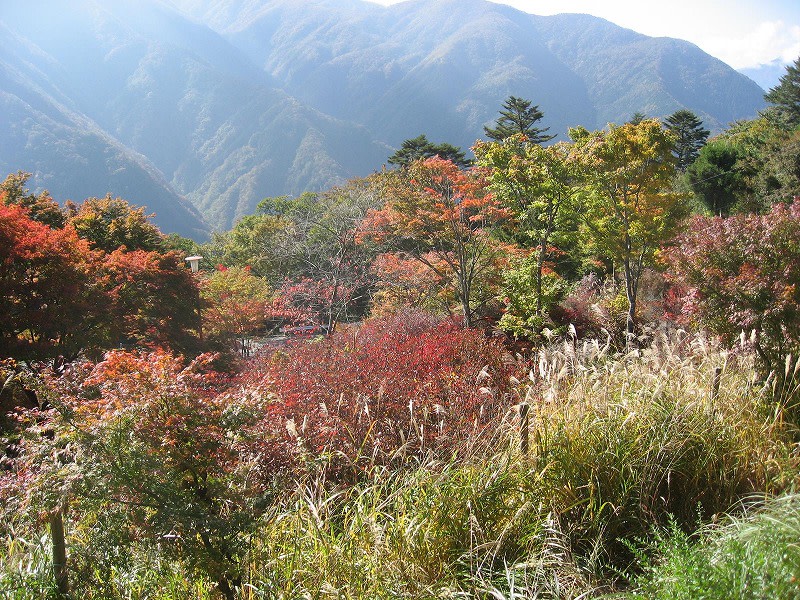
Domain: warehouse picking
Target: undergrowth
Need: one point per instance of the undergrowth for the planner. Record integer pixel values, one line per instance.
(623, 447)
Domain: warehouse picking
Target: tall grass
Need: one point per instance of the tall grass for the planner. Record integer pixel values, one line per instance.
(621, 446)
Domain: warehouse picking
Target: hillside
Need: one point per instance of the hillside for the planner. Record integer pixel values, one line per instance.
(224, 103)
(445, 67)
(68, 153)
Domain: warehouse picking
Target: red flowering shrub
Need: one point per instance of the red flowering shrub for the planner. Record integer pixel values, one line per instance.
(409, 381)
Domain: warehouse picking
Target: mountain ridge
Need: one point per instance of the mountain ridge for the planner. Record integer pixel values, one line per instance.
(225, 102)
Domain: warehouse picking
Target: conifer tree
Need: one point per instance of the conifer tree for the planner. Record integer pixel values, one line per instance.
(785, 97)
(518, 116)
(420, 147)
(691, 136)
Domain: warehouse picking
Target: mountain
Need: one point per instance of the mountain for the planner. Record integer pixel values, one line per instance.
(68, 153)
(177, 93)
(225, 102)
(444, 67)
(768, 75)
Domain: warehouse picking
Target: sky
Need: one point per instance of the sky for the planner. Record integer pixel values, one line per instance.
(742, 33)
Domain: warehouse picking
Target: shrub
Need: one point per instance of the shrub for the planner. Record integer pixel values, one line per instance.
(410, 380)
(746, 558)
(740, 273)
(150, 451)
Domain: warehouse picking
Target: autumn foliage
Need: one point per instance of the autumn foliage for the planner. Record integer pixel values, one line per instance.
(150, 446)
(406, 382)
(63, 295)
(46, 277)
(740, 275)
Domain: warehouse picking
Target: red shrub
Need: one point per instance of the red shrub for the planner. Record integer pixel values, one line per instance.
(408, 380)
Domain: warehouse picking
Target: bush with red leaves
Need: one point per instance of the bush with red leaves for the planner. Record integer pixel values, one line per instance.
(393, 388)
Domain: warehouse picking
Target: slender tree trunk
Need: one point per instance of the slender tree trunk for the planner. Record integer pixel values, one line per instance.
(630, 293)
(59, 552)
(539, 269)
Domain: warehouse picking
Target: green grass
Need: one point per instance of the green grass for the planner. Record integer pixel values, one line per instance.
(751, 557)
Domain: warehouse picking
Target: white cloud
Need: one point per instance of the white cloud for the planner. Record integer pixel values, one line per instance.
(768, 41)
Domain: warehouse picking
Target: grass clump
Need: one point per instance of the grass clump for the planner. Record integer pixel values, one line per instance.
(751, 557)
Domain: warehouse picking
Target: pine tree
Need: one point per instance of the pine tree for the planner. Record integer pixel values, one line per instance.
(637, 118)
(518, 116)
(786, 95)
(420, 147)
(691, 136)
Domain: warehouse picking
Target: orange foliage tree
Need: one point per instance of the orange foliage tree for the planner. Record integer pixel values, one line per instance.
(441, 217)
(46, 288)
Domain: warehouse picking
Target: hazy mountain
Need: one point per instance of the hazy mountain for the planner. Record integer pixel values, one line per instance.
(179, 94)
(444, 67)
(68, 153)
(767, 76)
(225, 102)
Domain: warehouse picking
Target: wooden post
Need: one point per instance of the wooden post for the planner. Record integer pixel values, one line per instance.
(523, 428)
(59, 552)
(715, 383)
(710, 408)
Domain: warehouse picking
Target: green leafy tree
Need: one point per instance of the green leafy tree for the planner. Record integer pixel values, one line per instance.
(420, 147)
(785, 97)
(253, 242)
(110, 223)
(690, 136)
(539, 185)
(518, 116)
(629, 209)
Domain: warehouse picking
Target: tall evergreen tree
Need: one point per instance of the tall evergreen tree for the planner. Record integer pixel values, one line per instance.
(714, 177)
(518, 116)
(785, 97)
(420, 147)
(637, 118)
(691, 136)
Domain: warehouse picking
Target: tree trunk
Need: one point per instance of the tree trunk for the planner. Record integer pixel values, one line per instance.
(630, 293)
(59, 552)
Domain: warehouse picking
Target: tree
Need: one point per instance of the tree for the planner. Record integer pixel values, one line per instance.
(319, 241)
(690, 135)
(110, 223)
(714, 176)
(236, 305)
(419, 147)
(254, 242)
(740, 274)
(536, 184)
(47, 289)
(637, 118)
(785, 97)
(518, 116)
(41, 208)
(629, 213)
(440, 216)
(153, 300)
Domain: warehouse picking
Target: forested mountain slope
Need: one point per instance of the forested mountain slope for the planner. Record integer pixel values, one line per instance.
(225, 102)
